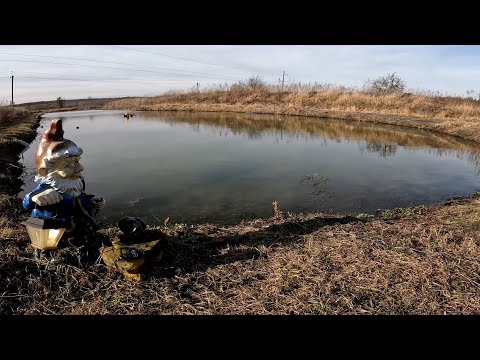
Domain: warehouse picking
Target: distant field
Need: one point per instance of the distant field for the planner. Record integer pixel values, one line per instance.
(74, 104)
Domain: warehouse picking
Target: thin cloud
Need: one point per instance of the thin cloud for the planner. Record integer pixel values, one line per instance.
(449, 69)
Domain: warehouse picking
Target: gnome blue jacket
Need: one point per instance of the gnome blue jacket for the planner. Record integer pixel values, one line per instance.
(65, 209)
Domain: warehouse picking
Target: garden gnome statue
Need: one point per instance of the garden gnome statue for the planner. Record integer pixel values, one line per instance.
(60, 191)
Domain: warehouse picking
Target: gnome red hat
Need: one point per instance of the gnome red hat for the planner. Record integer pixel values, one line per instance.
(53, 146)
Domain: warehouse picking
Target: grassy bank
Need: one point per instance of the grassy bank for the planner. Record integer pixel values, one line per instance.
(420, 260)
(14, 125)
(451, 115)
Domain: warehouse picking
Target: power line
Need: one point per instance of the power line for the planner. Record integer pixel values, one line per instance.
(110, 67)
(175, 57)
(102, 80)
(112, 62)
(88, 76)
(96, 80)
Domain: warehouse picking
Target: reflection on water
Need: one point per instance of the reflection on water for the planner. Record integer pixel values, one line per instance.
(225, 167)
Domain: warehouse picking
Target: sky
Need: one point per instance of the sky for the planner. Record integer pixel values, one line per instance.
(45, 72)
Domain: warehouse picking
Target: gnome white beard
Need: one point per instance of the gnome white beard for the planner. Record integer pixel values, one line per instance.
(71, 187)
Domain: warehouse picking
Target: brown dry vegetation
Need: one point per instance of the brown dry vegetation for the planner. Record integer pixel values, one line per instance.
(419, 260)
(422, 260)
(13, 125)
(68, 105)
(447, 114)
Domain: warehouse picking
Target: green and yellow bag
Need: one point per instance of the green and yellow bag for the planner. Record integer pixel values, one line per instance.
(132, 260)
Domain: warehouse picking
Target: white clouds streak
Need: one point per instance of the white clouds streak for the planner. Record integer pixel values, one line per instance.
(452, 69)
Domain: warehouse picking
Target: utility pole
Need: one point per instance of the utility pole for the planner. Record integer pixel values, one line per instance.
(12, 88)
(283, 79)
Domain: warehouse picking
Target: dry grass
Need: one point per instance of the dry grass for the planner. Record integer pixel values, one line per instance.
(14, 125)
(452, 115)
(420, 261)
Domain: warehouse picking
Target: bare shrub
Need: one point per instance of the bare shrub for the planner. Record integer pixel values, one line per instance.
(389, 83)
(256, 82)
(60, 102)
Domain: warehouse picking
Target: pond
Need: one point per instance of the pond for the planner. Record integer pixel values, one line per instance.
(228, 167)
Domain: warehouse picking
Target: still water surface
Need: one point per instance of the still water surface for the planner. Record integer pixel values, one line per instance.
(225, 167)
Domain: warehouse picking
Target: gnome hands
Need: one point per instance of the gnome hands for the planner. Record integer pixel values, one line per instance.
(47, 197)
